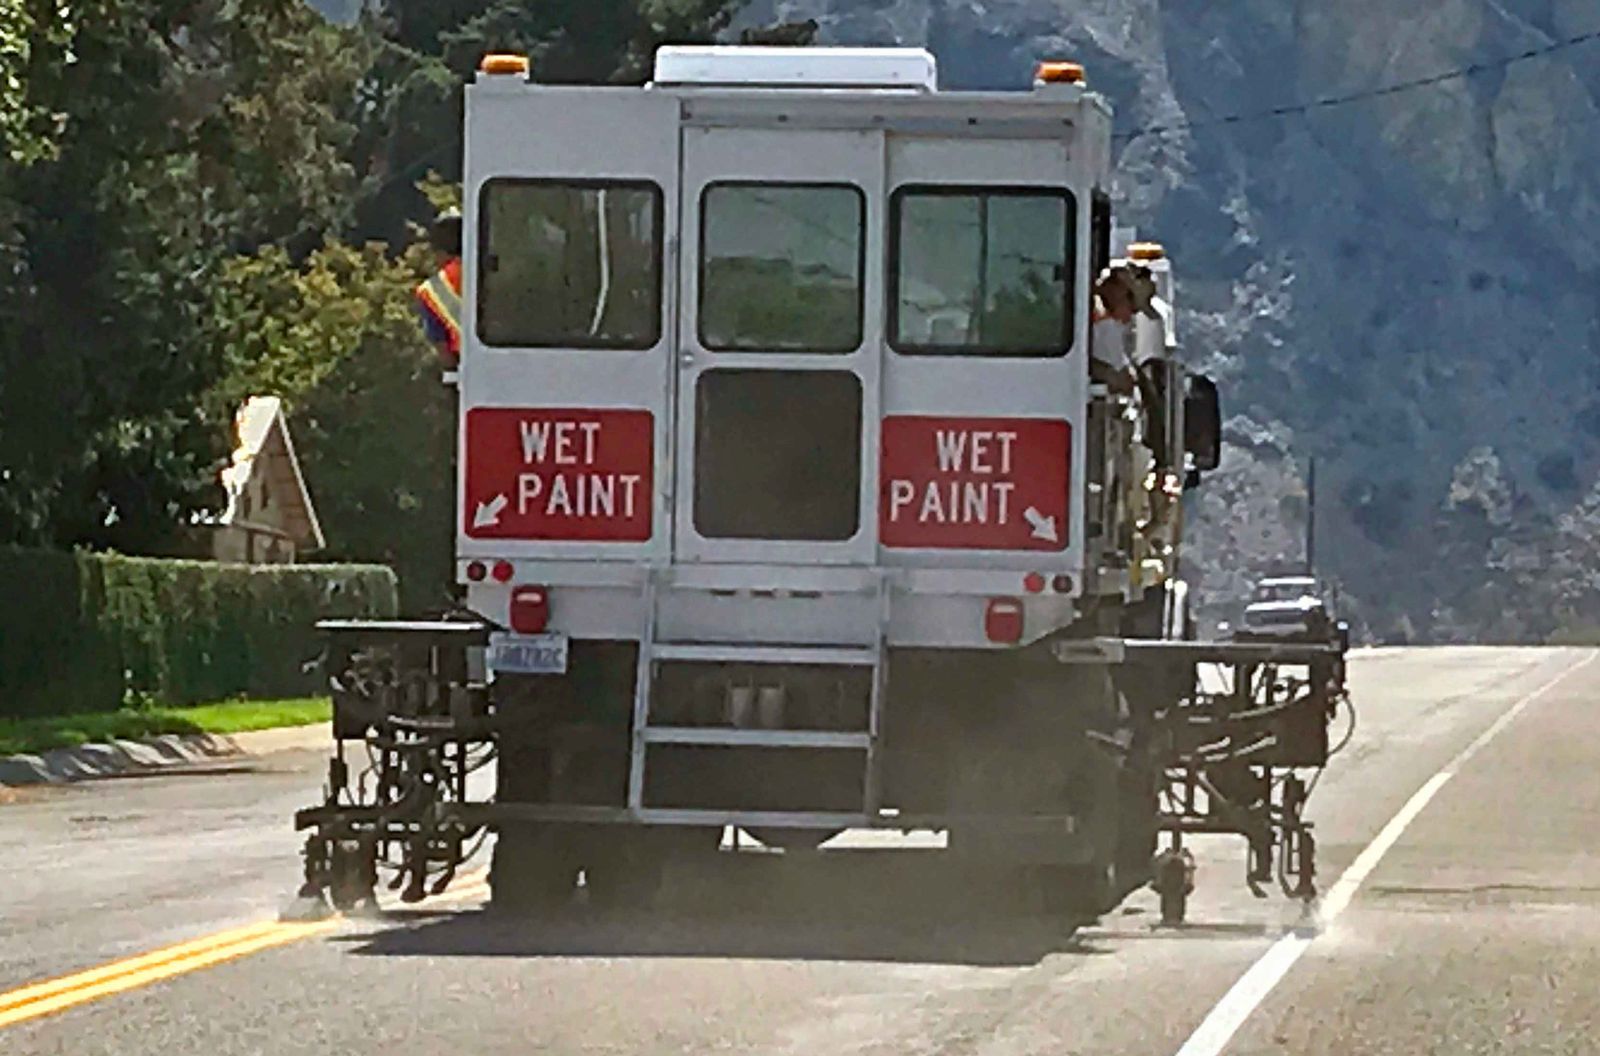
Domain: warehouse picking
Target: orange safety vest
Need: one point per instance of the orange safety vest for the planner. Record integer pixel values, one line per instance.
(440, 297)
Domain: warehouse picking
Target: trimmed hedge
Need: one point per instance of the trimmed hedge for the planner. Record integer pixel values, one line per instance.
(88, 632)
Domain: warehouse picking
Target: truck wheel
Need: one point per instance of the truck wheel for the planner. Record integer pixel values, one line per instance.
(1174, 906)
(1096, 887)
(624, 867)
(353, 876)
(535, 868)
(1174, 881)
(1068, 722)
(1138, 812)
(1075, 894)
(622, 870)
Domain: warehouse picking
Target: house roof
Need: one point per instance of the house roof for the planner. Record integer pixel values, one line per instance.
(264, 446)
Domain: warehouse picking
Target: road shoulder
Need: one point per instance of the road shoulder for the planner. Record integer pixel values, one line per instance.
(168, 752)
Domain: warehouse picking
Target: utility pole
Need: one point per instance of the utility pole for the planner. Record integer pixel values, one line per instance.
(1311, 516)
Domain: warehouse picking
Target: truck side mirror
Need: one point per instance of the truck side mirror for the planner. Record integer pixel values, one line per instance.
(1202, 423)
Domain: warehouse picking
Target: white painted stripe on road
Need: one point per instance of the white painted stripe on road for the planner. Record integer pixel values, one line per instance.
(1246, 995)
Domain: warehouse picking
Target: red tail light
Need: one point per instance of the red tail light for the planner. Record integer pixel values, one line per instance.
(1002, 620)
(476, 571)
(530, 610)
(502, 571)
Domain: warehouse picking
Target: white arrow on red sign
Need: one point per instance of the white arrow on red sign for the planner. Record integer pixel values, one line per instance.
(488, 513)
(1043, 527)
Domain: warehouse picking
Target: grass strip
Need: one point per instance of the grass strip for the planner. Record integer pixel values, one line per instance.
(41, 734)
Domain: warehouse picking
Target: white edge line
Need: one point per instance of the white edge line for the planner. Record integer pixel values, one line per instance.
(1230, 1013)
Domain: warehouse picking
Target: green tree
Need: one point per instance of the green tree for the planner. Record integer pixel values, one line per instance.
(336, 334)
(431, 49)
(178, 178)
(17, 143)
(178, 135)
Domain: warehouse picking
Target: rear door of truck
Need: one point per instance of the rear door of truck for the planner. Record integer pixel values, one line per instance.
(984, 379)
(565, 443)
(778, 372)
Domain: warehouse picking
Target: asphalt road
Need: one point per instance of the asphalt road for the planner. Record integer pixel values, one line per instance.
(1476, 930)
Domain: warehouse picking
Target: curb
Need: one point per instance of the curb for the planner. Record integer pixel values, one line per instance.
(171, 751)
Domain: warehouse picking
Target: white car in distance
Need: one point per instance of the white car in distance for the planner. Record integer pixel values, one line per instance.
(1284, 606)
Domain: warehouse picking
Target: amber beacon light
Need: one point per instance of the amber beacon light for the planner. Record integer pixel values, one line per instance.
(1058, 73)
(502, 63)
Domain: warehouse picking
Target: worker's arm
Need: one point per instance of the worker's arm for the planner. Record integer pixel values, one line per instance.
(1108, 359)
(1118, 381)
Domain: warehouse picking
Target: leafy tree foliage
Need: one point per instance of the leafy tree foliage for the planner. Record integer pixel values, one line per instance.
(431, 48)
(174, 136)
(214, 198)
(18, 141)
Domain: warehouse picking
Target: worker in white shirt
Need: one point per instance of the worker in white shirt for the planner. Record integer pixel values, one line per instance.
(1122, 292)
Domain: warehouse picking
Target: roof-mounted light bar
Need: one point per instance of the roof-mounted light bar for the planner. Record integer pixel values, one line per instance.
(1058, 72)
(504, 64)
(735, 66)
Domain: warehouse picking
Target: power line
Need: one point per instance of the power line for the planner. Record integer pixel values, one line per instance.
(1397, 88)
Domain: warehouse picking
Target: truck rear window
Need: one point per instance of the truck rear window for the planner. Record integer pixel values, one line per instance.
(569, 264)
(981, 271)
(780, 267)
(777, 454)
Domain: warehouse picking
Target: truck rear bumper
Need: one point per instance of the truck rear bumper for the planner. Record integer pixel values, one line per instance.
(1056, 838)
(474, 815)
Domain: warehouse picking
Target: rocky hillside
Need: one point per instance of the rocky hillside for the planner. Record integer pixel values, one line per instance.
(1403, 287)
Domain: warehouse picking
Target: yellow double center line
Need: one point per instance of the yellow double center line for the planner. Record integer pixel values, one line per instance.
(68, 991)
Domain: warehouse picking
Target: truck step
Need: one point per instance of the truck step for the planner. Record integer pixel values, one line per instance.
(725, 736)
(739, 653)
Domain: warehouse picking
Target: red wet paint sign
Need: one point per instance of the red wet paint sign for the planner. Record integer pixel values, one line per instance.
(569, 474)
(974, 483)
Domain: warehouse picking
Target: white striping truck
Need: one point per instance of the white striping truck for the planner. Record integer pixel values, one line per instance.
(786, 503)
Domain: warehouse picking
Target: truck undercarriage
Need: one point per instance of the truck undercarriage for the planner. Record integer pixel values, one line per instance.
(1080, 764)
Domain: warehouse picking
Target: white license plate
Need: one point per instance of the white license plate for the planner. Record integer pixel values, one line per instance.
(528, 654)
